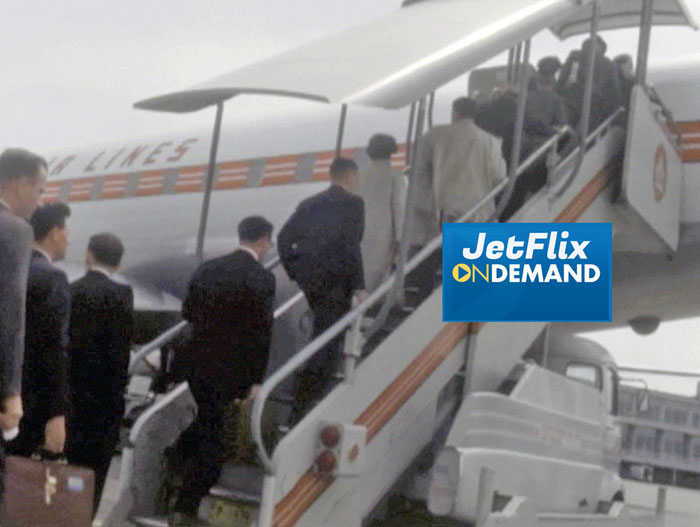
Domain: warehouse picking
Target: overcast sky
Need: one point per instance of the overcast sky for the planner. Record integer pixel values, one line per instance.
(73, 69)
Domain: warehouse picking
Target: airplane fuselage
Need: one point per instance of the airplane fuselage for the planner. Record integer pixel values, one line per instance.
(150, 193)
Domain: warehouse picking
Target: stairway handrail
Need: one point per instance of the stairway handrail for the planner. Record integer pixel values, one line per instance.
(300, 358)
(579, 152)
(173, 331)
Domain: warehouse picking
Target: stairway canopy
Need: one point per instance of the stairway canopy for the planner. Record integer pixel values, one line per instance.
(398, 58)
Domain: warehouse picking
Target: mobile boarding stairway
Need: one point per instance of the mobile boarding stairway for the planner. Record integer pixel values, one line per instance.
(413, 388)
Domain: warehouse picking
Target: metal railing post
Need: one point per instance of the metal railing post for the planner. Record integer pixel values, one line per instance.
(352, 350)
(267, 504)
(517, 133)
(468, 361)
(551, 162)
(211, 170)
(644, 41)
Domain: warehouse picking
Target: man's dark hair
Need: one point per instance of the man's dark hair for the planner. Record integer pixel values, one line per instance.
(465, 108)
(599, 42)
(106, 248)
(548, 66)
(16, 163)
(254, 228)
(341, 167)
(48, 216)
(381, 146)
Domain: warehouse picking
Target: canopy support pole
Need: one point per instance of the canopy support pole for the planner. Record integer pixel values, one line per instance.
(517, 136)
(511, 59)
(209, 184)
(409, 134)
(644, 41)
(520, 114)
(341, 130)
(585, 119)
(431, 108)
(588, 86)
(516, 65)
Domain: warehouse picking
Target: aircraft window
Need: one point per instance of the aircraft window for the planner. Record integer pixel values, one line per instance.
(651, 444)
(678, 417)
(668, 446)
(679, 448)
(668, 415)
(584, 373)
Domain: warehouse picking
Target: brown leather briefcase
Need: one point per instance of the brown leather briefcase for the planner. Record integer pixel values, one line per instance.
(46, 494)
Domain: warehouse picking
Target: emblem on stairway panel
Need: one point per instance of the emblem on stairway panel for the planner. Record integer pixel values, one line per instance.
(660, 176)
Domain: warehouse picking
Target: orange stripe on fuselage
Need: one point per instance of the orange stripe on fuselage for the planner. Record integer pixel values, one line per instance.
(232, 175)
(190, 179)
(114, 186)
(279, 170)
(690, 140)
(151, 183)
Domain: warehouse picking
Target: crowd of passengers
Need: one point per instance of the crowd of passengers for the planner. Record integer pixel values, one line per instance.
(65, 348)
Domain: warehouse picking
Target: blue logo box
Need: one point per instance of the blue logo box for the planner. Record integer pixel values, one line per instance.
(526, 272)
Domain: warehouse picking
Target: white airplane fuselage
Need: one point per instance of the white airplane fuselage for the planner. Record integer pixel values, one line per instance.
(150, 194)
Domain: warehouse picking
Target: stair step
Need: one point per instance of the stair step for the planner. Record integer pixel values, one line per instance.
(219, 491)
(239, 482)
(158, 521)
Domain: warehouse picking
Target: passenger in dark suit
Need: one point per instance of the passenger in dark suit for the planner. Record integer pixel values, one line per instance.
(230, 306)
(545, 113)
(101, 333)
(22, 177)
(607, 95)
(320, 249)
(45, 369)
